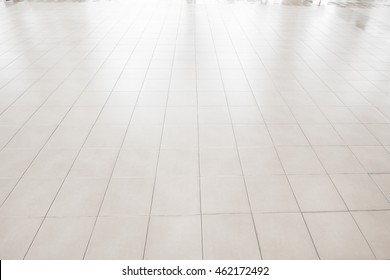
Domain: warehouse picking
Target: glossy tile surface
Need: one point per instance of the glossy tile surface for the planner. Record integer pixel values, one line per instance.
(194, 129)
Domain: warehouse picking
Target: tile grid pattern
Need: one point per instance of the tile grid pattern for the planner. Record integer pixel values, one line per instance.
(267, 128)
(194, 130)
(78, 154)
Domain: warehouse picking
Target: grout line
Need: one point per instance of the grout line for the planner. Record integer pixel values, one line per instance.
(47, 140)
(75, 158)
(194, 21)
(163, 125)
(266, 125)
(234, 135)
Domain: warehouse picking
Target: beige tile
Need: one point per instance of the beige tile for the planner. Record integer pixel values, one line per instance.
(300, 160)
(216, 136)
(224, 195)
(246, 115)
(174, 237)
(178, 162)
(16, 235)
(211, 99)
(277, 115)
(287, 135)
(31, 137)
(369, 114)
(122, 99)
(308, 115)
(181, 115)
(17, 115)
(356, 134)
(14, 162)
(375, 225)
(252, 135)
(336, 236)
(270, 193)
(381, 132)
(260, 160)
(182, 100)
(106, 136)
(61, 239)
(92, 99)
(316, 193)
(152, 99)
(6, 186)
(180, 136)
(337, 160)
(136, 163)
(51, 163)
(383, 182)
(94, 163)
(360, 192)
(117, 238)
(143, 136)
(115, 115)
(213, 115)
(229, 236)
(69, 137)
(374, 159)
(31, 198)
(48, 115)
(338, 114)
(81, 116)
(176, 196)
(6, 134)
(219, 162)
(128, 197)
(321, 135)
(79, 198)
(284, 236)
(148, 116)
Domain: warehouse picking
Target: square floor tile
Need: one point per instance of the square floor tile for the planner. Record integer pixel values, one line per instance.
(79, 198)
(31, 198)
(224, 195)
(360, 192)
(374, 159)
(336, 236)
(287, 135)
(178, 162)
(375, 225)
(136, 163)
(270, 193)
(322, 135)
(180, 136)
(260, 160)
(118, 238)
(6, 186)
(128, 197)
(16, 235)
(252, 135)
(316, 193)
(300, 160)
(216, 136)
(356, 134)
(284, 236)
(338, 160)
(174, 237)
(229, 237)
(383, 182)
(94, 163)
(176, 196)
(61, 238)
(219, 162)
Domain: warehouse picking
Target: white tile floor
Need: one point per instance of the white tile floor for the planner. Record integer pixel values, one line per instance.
(190, 129)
